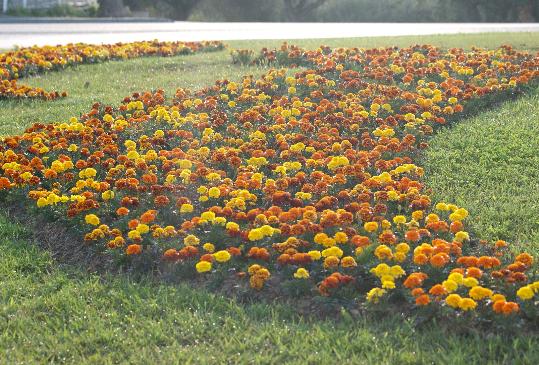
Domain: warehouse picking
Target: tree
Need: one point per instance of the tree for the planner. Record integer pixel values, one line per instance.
(112, 8)
(180, 9)
(301, 9)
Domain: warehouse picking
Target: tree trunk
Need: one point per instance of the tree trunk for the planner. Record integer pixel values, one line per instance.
(525, 12)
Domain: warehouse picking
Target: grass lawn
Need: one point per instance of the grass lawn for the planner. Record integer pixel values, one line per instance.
(51, 313)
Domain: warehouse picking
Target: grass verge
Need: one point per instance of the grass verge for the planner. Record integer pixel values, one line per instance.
(488, 163)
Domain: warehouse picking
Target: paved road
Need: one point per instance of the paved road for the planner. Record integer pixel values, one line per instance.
(27, 34)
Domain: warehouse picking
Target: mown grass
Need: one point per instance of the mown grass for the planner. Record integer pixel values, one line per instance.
(52, 313)
(489, 164)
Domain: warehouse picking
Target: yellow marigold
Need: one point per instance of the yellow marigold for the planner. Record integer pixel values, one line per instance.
(396, 271)
(214, 193)
(461, 236)
(432, 218)
(417, 215)
(442, 206)
(315, 255)
(370, 226)
(381, 270)
(456, 277)
(383, 252)
(232, 226)
(340, 237)
(478, 292)
(301, 273)
(470, 282)
(402, 247)
(497, 297)
(453, 300)
(253, 269)
(208, 216)
(107, 195)
(220, 221)
(267, 230)
(143, 228)
(263, 273)
(203, 266)
(92, 219)
(222, 256)
(320, 238)
(450, 285)
(191, 240)
(399, 219)
(332, 251)
(525, 293)
(467, 304)
(186, 208)
(208, 247)
(133, 235)
(255, 234)
(375, 294)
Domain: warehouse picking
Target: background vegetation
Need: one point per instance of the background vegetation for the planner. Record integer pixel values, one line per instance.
(311, 10)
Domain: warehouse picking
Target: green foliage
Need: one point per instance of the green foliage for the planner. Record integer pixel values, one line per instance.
(64, 10)
(428, 11)
(368, 10)
(238, 10)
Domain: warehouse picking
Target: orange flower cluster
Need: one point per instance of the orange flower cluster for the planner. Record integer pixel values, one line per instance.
(32, 60)
(310, 179)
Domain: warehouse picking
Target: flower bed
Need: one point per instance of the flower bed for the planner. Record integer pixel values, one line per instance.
(33, 60)
(307, 182)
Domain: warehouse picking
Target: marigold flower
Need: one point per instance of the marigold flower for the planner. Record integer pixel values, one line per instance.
(191, 240)
(478, 293)
(412, 235)
(470, 282)
(450, 285)
(510, 308)
(222, 256)
(422, 300)
(375, 294)
(383, 252)
(133, 249)
(331, 262)
(301, 273)
(92, 219)
(370, 226)
(453, 300)
(467, 304)
(414, 280)
(203, 266)
(255, 235)
(208, 247)
(525, 293)
(348, 261)
(170, 255)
